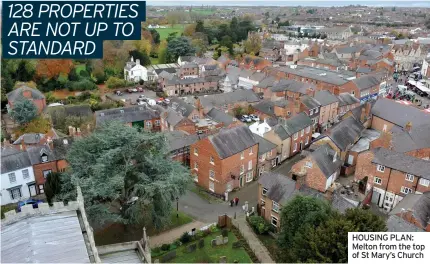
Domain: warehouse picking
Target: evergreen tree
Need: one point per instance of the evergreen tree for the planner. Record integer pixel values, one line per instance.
(179, 47)
(23, 111)
(52, 186)
(200, 26)
(144, 58)
(125, 175)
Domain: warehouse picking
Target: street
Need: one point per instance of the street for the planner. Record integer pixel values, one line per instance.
(203, 211)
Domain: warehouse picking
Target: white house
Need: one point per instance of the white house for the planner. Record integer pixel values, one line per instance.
(260, 128)
(280, 37)
(134, 72)
(17, 176)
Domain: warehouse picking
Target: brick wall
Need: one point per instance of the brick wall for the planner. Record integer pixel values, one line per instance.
(295, 143)
(38, 172)
(378, 124)
(313, 177)
(266, 209)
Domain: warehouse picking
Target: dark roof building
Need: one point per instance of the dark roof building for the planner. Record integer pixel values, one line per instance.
(325, 97)
(327, 160)
(126, 114)
(286, 128)
(345, 133)
(13, 159)
(221, 117)
(229, 142)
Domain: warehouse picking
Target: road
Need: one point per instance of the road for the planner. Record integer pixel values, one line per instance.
(203, 211)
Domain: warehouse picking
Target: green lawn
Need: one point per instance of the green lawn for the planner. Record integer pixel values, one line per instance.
(117, 233)
(153, 60)
(209, 254)
(203, 11)
(6, 208)
(164, 32)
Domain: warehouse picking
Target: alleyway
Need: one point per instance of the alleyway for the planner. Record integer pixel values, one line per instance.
(173, 234)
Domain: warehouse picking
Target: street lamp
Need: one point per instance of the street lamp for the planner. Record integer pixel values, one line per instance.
(177, 207)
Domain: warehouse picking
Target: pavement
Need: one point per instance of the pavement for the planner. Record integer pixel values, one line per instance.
(206, 212)
(173, 234)
(131, 97)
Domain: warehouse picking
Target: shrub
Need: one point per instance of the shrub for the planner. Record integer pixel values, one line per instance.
(82, 85)
(165, 247)
(185, 238)
(200, 234)
(259, 225)
(201, 243)
(224, 232)
(84, 74)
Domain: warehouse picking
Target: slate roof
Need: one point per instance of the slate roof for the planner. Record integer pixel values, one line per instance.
(399, 114)
(309, 102)
(126, 114)
(189, 65)
(168, 70)
(340, 203)
(292, 86)
(29, 138)
(419, 204)
(286, 128)
(173, 117)
(345, 133)
(397, 224)
(267, 82)
(35, 153)
(264, 145)
(319, 74)
(210, 67)
(13, 159)
(347, 99)
(240, 95)
(229, 142)
(220, 116)
(324, 156)
(279, 187)
(363, 70)
(179, 139)
(52, 238)
(181, 106)
(366, 82)
(346, 50)
(265, 106)
(324, 97)
(17, 93)
(402, 162)
(417, 138)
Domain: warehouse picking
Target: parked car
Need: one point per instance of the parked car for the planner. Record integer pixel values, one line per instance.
(246, 118)
(254, 118)
(118, 92)
(140, 89)
(160, 100)
(141, 96)
(33, 202)
(129, 90)
(134, 90)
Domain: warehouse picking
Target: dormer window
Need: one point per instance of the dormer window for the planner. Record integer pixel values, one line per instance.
(44, 158)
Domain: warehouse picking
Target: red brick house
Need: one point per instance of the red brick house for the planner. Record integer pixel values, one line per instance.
(140, 116)
(31, 94)
(224, 161)
(392, 175)
(254, 63)
(319, 169)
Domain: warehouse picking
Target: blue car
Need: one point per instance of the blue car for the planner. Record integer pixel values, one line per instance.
(35, 203)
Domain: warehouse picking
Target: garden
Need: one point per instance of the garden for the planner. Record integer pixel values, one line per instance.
(164, 32)
(212, 245)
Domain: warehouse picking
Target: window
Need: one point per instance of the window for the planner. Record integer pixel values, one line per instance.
(307, 140)
(249, 176)
(41, 190)
(196, 166)
(262, 202)
(380, 168)
(212, 186)
(157, 122)
(15, 193)
(242, 169)
(295, 147)
(196, 151)
(377, 180)
(211, 174)
(296, 135)
(409, 177)
(46, 172)
(302, 133)
(308, 164)
(250, 165)
(405, 190)
(25, 174)
(311, 112)
(308, 129)
(251, 151)
(12, 177)
(148, 124)
(211, 160)
(384, 128)
(242, 155)
(274, 221)
(288, 113)
(196, 178)
(44, 158)
(424, 182)
(275, 207)
(264, 191)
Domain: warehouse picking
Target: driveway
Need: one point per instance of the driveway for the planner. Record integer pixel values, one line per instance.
(131, 97)
(203, 211)
(286, 165)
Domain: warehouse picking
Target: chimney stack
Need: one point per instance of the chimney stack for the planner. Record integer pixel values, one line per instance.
(408, 126)
(363, 115)
(137, 61)
(300, 179)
